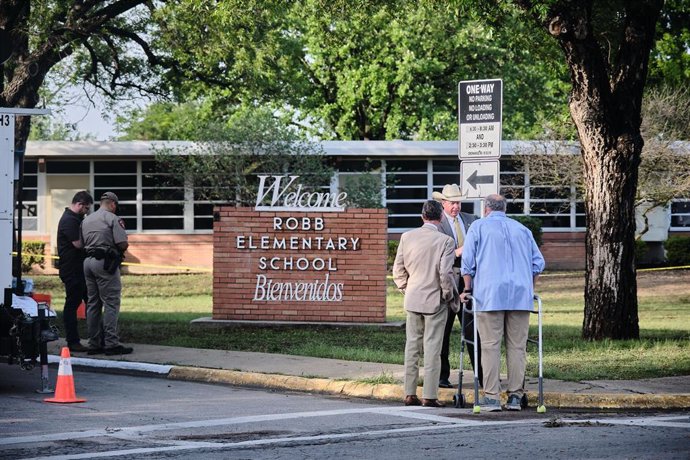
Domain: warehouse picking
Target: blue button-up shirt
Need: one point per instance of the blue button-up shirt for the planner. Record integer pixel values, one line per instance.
(502, 257)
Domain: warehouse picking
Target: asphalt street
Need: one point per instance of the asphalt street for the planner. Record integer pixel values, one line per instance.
(142, 417)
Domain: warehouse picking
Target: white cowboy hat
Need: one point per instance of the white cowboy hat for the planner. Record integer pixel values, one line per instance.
(451, 192)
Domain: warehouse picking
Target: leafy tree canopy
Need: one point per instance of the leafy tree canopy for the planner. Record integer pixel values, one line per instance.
(360, 71)
(670, 60)
(225, 166)
(381, 70)
(103, 44)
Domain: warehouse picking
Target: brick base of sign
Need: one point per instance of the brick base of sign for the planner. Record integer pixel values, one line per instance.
(300, 266)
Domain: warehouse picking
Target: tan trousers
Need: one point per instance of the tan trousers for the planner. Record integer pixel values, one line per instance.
(424, 333)
(492, 326)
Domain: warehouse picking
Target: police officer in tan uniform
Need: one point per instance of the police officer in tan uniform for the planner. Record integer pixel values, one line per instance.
(105, 242)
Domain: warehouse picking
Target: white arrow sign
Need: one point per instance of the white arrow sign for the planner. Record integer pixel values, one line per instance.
(479, 179)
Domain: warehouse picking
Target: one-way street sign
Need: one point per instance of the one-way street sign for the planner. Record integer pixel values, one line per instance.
(480, 114)
(479, 179)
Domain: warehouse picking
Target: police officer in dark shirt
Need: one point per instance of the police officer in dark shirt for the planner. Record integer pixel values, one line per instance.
(71, 265)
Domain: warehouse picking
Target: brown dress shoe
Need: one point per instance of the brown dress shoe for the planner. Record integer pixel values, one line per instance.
(432, 403)
(412, 400)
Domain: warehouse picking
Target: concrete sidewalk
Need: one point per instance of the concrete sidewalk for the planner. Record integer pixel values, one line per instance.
(300, 373)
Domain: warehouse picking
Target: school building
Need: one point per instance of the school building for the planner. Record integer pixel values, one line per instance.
(170, 229)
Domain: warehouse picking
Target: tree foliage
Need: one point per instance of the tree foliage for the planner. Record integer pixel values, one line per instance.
(224, 167)
(165, 121)
(670, 63)
(385, 70)
(365, 70)
(363, 190)
(104, 43)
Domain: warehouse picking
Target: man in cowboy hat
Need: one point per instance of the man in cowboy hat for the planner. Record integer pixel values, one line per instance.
(455, 224)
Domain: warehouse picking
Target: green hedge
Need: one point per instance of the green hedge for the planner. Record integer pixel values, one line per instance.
(678, 250)
(392, 250)
(33, 253)
(640, 251)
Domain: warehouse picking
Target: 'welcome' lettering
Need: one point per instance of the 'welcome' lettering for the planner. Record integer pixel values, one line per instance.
(277, 193)
(297, 200)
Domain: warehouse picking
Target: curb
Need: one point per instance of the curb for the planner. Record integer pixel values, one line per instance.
(617, 401)
(390, 392)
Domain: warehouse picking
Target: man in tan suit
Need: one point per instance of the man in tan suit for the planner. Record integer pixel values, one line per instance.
(423, 270)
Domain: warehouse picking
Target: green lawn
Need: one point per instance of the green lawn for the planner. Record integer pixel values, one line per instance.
(157, 309)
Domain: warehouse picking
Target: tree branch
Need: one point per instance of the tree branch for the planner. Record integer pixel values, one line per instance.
(118, 31)
(114, 10)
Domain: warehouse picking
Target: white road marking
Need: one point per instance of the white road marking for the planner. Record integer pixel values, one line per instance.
(253, 443)
(440, 423)
(409, 412)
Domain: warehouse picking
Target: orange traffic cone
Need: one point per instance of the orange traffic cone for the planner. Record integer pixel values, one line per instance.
(64, 390)
(81, 311)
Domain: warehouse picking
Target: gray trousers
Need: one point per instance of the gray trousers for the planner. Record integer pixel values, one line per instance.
(424, 333)
(103, 306)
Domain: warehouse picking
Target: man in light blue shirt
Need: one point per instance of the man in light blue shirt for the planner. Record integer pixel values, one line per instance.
(500, 263)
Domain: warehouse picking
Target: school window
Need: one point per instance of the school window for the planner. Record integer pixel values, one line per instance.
(119, 177)
(351, 173)
(407, 187)
(680, 215)
(558, 207)
(30, 196)
(162, 199)
(411, 182)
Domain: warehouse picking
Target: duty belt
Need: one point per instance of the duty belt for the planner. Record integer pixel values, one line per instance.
(96, 253)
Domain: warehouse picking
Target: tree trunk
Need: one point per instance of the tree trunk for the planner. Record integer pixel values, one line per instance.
(605, 104)
(610, 277)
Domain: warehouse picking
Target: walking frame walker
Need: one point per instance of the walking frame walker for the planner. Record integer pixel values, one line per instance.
(459, 400)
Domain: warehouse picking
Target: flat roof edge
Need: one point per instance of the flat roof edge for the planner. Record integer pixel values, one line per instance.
(144, 149)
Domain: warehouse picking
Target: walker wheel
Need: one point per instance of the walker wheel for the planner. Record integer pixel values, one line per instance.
(459, 401)
(524, 402)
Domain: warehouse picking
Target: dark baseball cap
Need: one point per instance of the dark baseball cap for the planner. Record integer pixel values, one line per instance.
(110, 196)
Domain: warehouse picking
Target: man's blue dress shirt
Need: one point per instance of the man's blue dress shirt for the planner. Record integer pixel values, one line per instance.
(502, 257)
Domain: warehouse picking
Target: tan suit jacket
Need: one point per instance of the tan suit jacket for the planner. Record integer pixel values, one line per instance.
(423, 269)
